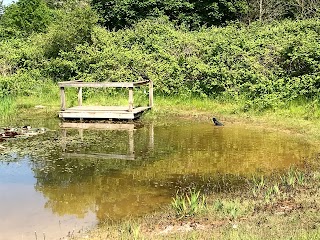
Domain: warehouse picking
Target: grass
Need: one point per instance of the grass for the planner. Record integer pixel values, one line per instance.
(291, 214)
(7, 107)
(299, 117)
(188, 204)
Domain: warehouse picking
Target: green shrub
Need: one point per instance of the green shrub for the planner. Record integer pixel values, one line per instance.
(119, 14)
(258, 66)
(26, 16)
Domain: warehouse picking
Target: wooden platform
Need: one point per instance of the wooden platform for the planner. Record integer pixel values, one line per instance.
(97, 126)
(102, 112)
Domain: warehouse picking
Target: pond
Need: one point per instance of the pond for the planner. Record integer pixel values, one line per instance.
(69, 179)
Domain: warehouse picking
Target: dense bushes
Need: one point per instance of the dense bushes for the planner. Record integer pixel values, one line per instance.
(26, 17)
(262, 65)
(194, 13)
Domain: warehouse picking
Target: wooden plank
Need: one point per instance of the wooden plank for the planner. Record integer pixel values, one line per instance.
(151, 94)
(80, 96)
(100, 156)
(97, 84)
(98, 108)
(97, 115)
(63, 98)
(112, 109)
(86, 114)
(98, 126)
(101, 84)
(130, 99)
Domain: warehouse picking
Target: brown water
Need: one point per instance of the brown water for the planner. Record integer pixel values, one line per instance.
(68, 180)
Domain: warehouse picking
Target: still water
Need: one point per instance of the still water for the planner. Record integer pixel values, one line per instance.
(67, 180)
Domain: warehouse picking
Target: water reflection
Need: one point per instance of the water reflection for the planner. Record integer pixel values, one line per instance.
(117, 171)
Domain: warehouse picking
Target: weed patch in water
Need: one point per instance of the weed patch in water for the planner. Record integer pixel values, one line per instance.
(188, 204)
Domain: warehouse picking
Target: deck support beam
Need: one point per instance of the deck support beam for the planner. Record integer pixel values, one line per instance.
(150, 94)
(130, 99)
(63, 99)
(80, 96)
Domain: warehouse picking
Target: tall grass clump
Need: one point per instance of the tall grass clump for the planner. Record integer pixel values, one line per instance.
(188, 204)
(7, 107)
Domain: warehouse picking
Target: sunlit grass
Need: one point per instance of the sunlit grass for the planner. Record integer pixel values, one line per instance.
(300, 116)
(7, 107)
(280, 210)
(188, 204)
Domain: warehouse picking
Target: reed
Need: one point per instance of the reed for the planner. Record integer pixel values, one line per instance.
(7, 107)
(189, 204)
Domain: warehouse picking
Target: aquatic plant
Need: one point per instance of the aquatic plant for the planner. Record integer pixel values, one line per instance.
(258, 185)
(134, 231)
(231, 209)
(272, 193)
(293, 177)
(188, 204)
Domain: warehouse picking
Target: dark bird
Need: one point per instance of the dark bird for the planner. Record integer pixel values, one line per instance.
(216, 122)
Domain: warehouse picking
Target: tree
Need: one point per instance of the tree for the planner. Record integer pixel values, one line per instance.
(72, 27)
(194, 13)
(27, 16)
(1, 9)
(269, 10)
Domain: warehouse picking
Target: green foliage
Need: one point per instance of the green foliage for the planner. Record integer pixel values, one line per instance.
(1, 9)
(72, 27)
(121, 13)
(25, 17)
(231, 209)
(258, 66)
(188, 204)
(293, 177)
(7, 107)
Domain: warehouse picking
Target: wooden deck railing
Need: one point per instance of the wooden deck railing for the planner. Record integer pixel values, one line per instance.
(79, 84)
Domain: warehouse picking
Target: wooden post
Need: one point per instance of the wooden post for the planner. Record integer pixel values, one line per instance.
(150, 93)
(130, 99)
(64, 140)
(131, 142)
(81, 133)
(80, 96)
(151, 136)
(63, 99)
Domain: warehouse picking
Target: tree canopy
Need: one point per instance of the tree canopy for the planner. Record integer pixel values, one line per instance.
(194, 13)
(27, 16)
